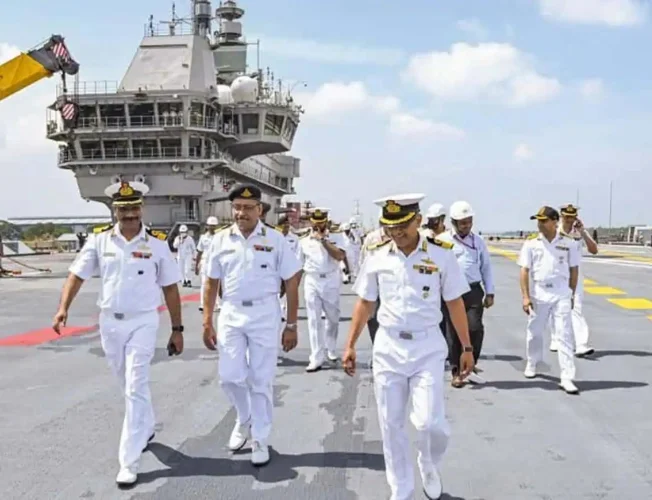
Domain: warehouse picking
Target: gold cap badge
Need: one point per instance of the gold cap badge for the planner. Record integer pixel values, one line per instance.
(126, 190)
(392, 207)
(246, 193)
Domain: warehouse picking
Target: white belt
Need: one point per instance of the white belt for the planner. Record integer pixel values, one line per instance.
(124, 316)
(321, 275)
(251, 302)
(404, 334)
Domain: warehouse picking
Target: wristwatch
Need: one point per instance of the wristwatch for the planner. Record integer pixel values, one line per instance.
(178, 329)
(468, 348)
(291, 326)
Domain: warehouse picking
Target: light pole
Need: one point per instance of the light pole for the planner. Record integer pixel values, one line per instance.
(611, 195)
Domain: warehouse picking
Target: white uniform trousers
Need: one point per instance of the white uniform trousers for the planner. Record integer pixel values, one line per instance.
(185, 262)
(557, 312)
(129, 345)
(322, 293)
(579, 325)
(248, 342)
(403, 368)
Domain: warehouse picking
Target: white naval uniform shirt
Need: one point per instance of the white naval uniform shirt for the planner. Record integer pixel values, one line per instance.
(251, 269)
(373, 238)
(185, 246)
(549, 264)
(473, 257)
(204, 246)
(132, 272)
(410, 287)
(315, 258)
(579, 242)
(293, 241)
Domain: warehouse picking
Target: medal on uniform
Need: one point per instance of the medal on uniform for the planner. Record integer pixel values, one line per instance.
(426, 292)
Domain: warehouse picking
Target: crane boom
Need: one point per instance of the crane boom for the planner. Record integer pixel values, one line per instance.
(42, 62)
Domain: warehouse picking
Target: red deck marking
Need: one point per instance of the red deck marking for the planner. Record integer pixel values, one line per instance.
(37, 337)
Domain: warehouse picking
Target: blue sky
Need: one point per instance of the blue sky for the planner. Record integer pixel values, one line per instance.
(508, 104)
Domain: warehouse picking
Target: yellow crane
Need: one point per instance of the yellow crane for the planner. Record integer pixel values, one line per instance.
(42, 62)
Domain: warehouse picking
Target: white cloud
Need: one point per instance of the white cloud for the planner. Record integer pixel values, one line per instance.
(312, 50)
(592, 89)
(472, 27)
(523, 152)
(607, 12)
(497, 71)
(333, 99)
(405, 125)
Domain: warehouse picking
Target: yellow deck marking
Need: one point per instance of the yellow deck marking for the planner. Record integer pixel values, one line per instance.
(588, 282)
(632, 303)
(603, 290)
(629, 256)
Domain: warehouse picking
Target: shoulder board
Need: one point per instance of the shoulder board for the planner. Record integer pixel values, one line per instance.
(303, 235)
(533, 236)
(444, 244)
(270, 226)
(160, 235)
(222, 227)
(335, 231)
(102, 229)
(378, 245)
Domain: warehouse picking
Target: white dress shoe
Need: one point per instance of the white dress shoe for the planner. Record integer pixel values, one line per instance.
(239, 435)
(259, 453)
(530, 371)
(313, 367)
(126, 477)
(569, 387)
(432, 485)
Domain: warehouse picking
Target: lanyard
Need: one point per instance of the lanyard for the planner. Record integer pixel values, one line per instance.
(471, 246)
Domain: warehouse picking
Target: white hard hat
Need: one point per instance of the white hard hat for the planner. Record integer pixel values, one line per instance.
(346, 226)
(435, 210)
(211, 221)
(183, 228)
(461, 210)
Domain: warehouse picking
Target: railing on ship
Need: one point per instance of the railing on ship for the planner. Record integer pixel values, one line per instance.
(252, 170)
(120, 122)
(100, 87)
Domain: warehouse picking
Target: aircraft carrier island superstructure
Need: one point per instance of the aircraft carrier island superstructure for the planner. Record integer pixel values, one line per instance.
(187, 119)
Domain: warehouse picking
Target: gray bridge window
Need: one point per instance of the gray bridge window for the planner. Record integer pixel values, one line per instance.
(91, 150)
(141, 115)
(145, 148)
(171, 148)
(116, 149)
(113, 115)
(273, 124)
(251, 123)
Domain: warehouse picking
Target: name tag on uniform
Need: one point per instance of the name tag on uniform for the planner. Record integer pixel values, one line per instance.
(108, 254)
(558, 247)
(263, 248)
(425, 269)
(405, 335)
(141, 255)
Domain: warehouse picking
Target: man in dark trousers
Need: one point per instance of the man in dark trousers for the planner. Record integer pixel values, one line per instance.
(474, 259)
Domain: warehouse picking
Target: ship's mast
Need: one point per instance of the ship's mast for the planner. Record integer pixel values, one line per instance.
(201, 17)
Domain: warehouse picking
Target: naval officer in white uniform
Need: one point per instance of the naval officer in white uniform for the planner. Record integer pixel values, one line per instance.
(320, 252)
(549, 269)
(134, 266)
(186, 249)
(202, 254)
(410, 274)
(573, 227)
(248, 261)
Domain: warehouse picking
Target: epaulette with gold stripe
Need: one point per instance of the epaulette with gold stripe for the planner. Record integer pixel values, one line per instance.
(443, 244)
(270, 226)
(159, 235)
(102, 229)
(533, 236)
(376, 246)
(222, 227)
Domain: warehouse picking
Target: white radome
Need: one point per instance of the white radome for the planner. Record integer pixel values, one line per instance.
(244, 89)
(224, 95)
